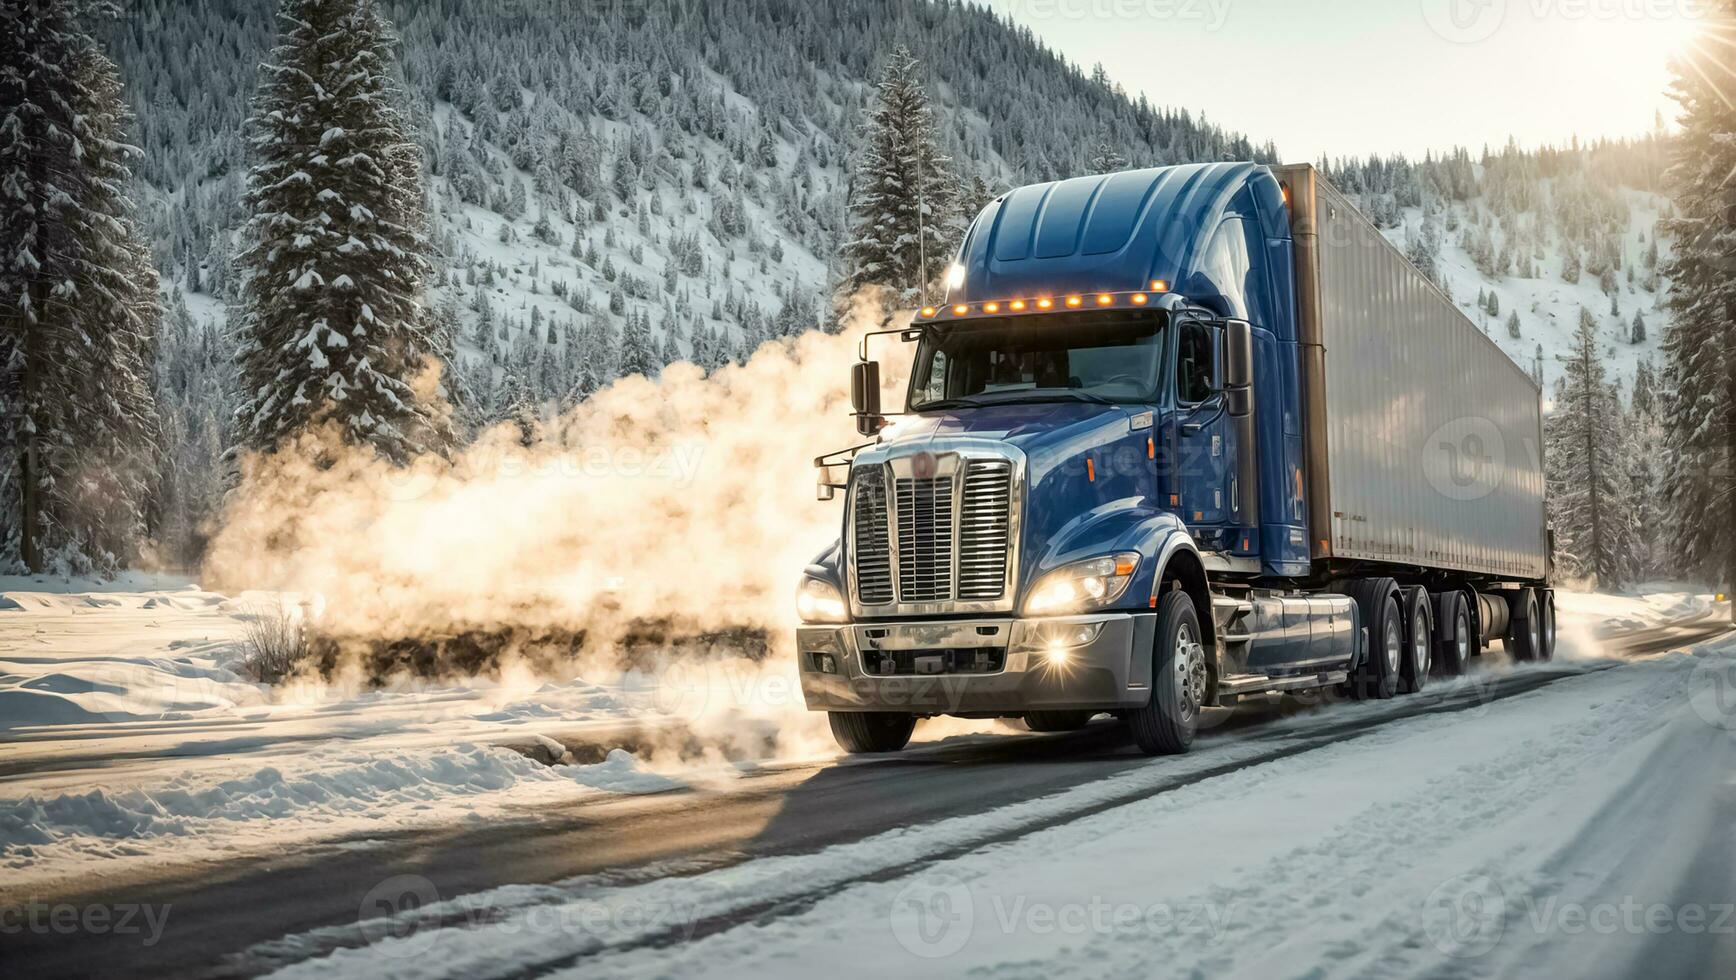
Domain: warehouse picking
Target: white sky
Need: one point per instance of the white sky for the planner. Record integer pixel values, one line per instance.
(1381, 76)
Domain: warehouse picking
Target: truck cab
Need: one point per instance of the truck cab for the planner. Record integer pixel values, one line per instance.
(1097, 496)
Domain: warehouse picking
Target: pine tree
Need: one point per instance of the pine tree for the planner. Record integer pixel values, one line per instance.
(1105, 158)
(901, 188)
(334, 327)
(1588, 492)
(638, 352)
(1700, 359)
(1513, 324)
(79, 307)
(1637, 333)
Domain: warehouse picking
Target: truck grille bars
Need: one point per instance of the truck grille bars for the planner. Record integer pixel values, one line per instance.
(947, 533)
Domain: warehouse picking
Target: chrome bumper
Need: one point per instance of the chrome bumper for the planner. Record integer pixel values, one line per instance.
(840, 671)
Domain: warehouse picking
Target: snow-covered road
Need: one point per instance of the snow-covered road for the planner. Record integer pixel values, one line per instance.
(1572, 818)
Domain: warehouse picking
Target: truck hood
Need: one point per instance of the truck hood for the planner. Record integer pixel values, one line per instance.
(1030, 426)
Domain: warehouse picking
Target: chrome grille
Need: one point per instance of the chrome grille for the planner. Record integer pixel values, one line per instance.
(873, 556)
(984, 530)
(924, 538)
(925, 542)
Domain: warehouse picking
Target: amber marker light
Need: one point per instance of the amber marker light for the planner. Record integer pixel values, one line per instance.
(1074, 300)
(1045, 303)
(991, 307)
(1018, 305)
(1104, 299)
(960, 310)
(1139, 299)
(927, 311)
(1160, 285)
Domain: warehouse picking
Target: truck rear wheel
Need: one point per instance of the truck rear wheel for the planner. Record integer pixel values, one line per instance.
(871, 731)
(1165, 724)
(1453, 649)
(1525, 629)
(1056, 721)
(1378, 675)
(1419, 621)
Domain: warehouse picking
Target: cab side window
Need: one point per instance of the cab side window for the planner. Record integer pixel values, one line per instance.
(1195, 362)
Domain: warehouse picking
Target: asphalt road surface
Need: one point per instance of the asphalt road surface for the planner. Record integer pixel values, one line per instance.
(223, 919)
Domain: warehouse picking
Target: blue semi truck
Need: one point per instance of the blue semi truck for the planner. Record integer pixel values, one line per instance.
(1178, 437)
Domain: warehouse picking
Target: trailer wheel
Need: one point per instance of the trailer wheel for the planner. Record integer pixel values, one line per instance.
(871, 731)
(1453, 649)
(1546, 606)
(1419, 622)
(1377, 676)
(1165, 724)
(1525, 629)
(1057, 721)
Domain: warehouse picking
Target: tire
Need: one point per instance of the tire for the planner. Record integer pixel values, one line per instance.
(871, 731)
(1546, 606)
(1057, 721)
(1420, 645)
(1525, 628)
(1456, 643)
(1166, 723)
(1377, 676)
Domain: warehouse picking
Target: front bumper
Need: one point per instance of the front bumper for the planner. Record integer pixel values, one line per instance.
(1111, 671)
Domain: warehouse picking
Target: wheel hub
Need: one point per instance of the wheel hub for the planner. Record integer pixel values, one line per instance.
(1190, 665)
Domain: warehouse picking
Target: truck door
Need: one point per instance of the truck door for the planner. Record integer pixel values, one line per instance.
(1202, 430)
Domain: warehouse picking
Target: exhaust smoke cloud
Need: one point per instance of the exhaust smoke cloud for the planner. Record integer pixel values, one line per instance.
(686, 500)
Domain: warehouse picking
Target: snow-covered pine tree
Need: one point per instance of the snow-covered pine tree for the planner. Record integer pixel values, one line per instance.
(1643, 450)
(78, 303)
(1589, 489)
(638, 350)
(901, 188)
(1105, 158)
(1700, 355)
(333, 327)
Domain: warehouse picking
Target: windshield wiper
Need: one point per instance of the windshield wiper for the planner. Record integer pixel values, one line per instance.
(960, 402)
(1071, 395)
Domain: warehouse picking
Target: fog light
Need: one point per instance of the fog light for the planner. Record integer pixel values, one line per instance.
(1057, 654)
(827, 663)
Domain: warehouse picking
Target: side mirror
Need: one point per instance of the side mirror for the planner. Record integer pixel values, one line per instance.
(865, 396)
(1238, 368)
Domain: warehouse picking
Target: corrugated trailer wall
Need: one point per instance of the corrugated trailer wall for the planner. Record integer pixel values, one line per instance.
(1432, 448)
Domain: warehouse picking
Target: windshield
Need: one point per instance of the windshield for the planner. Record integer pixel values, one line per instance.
(1090, 357)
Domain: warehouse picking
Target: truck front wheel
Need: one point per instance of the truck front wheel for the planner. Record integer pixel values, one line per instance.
(1165, 724)
(871, 731)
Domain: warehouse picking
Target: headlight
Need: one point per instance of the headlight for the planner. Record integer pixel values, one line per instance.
(820, 602)
(1088, 584)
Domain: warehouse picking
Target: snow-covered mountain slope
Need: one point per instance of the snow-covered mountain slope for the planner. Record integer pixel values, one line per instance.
(1548, 307)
